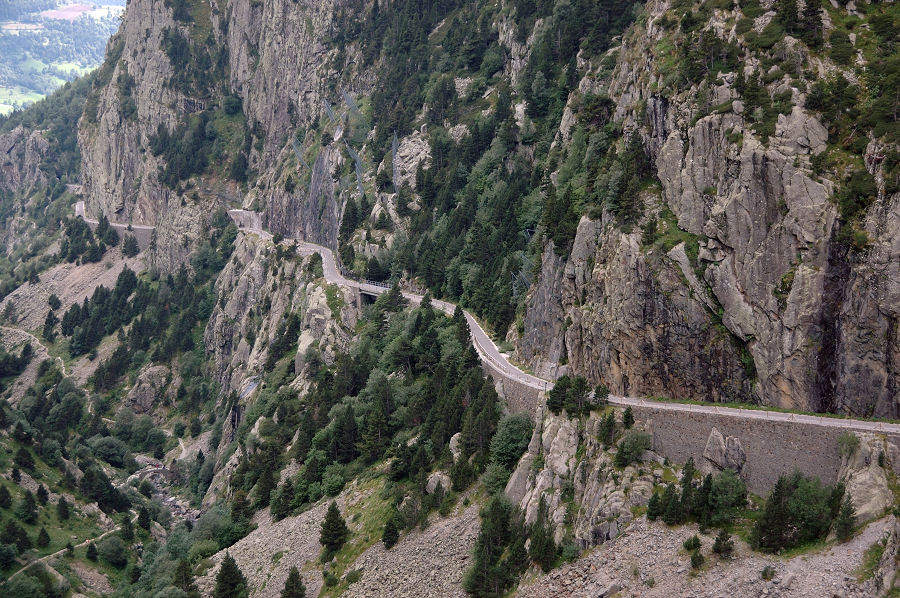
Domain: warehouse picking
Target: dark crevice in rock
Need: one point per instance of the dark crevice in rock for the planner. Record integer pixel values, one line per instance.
(837, 272)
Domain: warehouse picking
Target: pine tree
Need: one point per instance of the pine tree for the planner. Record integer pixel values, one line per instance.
(183, 579)
(127, 528)
(334, 531)
(5, 497)
(811, 21)
(543, 549)
(293, 585)
(42, 495)
(43, 539)
(27, 509)
(91, 552)
(144, 518)
(843, 527)
(390, 535)
(724, 545)
(787, 14)
(628, 418)
(654, 507)
(62, 509)
(607, 429)
(264, 487)
(230, 582)
(281, 505)
(772, 528)
(671, 505)
(687, 488)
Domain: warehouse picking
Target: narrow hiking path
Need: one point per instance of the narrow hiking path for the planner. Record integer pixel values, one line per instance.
(13, 329)
(46, 558)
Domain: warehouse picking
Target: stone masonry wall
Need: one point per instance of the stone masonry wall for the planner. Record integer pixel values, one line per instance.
(771, 447)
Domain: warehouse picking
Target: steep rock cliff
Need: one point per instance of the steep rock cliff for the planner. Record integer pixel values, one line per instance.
(778, 309)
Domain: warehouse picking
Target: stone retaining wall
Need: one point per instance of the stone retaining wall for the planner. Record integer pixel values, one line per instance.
(520, 398)
(771, 448)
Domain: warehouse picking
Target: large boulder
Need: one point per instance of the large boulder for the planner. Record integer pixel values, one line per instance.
(149, 389)
(724, 453)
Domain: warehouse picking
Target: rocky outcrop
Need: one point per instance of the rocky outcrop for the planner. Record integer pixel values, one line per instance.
(149, 390)
(566, 463)
(865, 470)
(625, 316)
(21, 152)
(775, 308)
(312, 214)
(260, 290)
(723, 453)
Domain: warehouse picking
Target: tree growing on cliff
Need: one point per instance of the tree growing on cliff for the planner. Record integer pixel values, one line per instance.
(607, 430)
(556, 398)
(627, 418)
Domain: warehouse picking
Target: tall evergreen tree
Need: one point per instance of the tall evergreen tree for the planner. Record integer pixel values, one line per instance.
(293, 585)
(62, 508)
(607, 429)
(334, 531)
(671, 505)
(772, 528)
(230, 582)
(91, 552)
(811, 21)
(628, 418)
(390, 534)
(843, 527)
(144, 518)
(281, 504)
(27, 509)
(127, 528)
(5, 497)
(43, 538)
(183, 579)
(543, 548)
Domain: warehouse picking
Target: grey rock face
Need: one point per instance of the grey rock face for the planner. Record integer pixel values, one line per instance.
(149, 389)
(21, 152)
(604, 498)
(775, 310)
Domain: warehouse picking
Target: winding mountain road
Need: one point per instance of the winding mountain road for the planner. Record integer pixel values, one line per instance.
(489, 353)
(492, 356)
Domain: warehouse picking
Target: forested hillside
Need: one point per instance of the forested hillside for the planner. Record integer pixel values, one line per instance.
(679, 200)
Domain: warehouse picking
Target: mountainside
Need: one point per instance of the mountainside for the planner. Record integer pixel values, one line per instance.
(783, 292)
(245, 318)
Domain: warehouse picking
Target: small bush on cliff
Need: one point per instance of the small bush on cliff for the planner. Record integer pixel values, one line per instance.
(632, 447)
